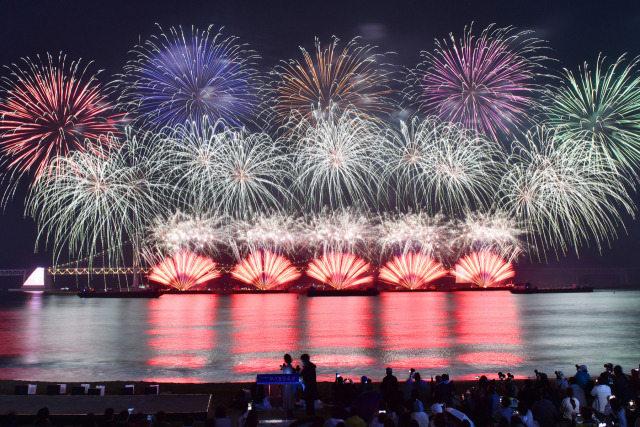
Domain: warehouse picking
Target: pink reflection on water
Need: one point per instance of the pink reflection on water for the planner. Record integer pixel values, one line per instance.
(181, 327)
(487, 318)
(407, 325)
(419, 363)
(265, 322)
(176, 380)
(490, 358)
(258, 366)
(341, 322)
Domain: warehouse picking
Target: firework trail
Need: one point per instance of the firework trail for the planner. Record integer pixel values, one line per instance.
(180, 76)
(265, 270)
(444, 165)
(51, 108)
(414, 232)
(340, 270)
(487, 83)
(493, 231)
(483, 269)
(184, 271)
(98, 200)
(226, 171)
(351, 77)
(336, 160)
(563, 191)
(411, 270)
(339, 231)
(602, 105)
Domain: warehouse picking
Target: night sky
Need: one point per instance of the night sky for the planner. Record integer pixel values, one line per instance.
(104, 31)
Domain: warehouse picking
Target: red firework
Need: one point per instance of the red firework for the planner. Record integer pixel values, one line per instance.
(48, 109)
(412, 270)
(483, 269)
(265, 270)
(184, 271)
(340, 270)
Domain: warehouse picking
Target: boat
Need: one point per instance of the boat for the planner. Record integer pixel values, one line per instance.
(529, 289)
(146, 293)
(225, 291)
(368, 292)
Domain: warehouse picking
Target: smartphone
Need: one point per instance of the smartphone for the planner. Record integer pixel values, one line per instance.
(249, 406)
(150, 417)
(382, 411)
(130, 411)
(337, 375)
(602, 424)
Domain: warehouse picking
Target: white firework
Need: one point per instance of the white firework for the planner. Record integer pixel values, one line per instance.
(345, 230)
(336, 159)
(563, 190)
(494, 231)
(276, 232)
(443, 165)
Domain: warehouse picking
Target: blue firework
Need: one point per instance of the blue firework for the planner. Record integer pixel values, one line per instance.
(179, 76)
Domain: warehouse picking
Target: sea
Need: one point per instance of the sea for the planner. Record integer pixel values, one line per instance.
(232, 338)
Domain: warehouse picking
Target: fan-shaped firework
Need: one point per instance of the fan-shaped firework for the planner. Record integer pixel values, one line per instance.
(49, 108)
(563, 191)
(483, 269)
(493, 231)
(414, 232)
(265, 270)
(604, 105)
(184, 271)
(411, 270)
(340, 270)
(231, 171)
(338, 231)
(487, 83)
(336, 161)
(99, 200)
(351, 77)
(181, 76)
(444, 165)
(194, 233)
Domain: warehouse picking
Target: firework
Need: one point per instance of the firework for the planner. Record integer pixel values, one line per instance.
(98, 200)
(563, 191)
(414, 232)
(604, 104)
(483, 269)
(181, 76)
(276, 232)
(227, 171)
(339, 231)
(411, 270)
(340, 270)
(265, 270)
(336, 161)
(493, 231)
(182, 232)
(50, 108)
(351, 77)
(184, 271)
(444, 165)
(487, 83)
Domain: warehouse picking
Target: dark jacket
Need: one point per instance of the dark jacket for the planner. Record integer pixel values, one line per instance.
(308, 376)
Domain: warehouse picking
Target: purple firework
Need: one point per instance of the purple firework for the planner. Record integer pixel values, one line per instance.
(486, 83)
(180, 76)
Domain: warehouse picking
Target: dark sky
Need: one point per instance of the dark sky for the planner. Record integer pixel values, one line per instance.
(104, 31)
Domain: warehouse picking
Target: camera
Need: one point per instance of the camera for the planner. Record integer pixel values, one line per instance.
(510, 376)
(501, 375)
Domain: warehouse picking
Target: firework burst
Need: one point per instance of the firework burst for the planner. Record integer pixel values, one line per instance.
(483, 269)
(48, 109)
(354, 77)
(340, 270)
(414, 232)
(487, 83)
(276, 232)
(411, 270)
(443, 164)
(265, 270)
(604, 104)
(98, 200)
(180, 76)
(339, 231)
(493, 231)
(563, 191)
(184, 271)
(336, 160)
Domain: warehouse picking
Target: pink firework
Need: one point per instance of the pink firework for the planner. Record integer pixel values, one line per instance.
(411, 270)
(486, 83)
(483, 269)
(340, 270)
(49, 109)
(265, 270)
(184, 271)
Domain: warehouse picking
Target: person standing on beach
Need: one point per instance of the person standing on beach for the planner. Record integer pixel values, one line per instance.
(289, 389)
(308, 376)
